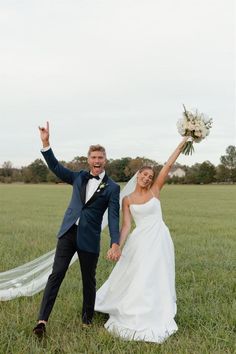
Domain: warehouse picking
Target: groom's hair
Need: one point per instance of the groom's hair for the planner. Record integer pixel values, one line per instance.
(96, 148)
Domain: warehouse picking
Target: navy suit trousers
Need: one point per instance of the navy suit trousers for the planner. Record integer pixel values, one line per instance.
(66, 248)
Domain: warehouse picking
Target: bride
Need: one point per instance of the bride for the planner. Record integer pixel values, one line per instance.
(139, 294)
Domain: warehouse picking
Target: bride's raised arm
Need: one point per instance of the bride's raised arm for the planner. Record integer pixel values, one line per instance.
(160, 180)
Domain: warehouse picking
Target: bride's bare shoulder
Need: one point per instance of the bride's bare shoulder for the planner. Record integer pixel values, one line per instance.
(127, 200)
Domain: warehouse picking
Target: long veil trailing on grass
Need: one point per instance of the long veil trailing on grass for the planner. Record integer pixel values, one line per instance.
(30, 278)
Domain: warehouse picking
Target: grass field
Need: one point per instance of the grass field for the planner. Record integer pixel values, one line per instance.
(202, 222)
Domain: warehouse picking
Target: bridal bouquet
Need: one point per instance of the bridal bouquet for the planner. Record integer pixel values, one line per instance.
(195, 125)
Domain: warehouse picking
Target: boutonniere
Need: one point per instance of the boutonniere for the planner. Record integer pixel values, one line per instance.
(101, 186)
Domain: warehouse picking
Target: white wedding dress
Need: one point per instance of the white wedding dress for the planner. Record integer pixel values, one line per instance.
(139, 295)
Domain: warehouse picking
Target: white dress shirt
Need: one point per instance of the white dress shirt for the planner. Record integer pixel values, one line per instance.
(92, 185)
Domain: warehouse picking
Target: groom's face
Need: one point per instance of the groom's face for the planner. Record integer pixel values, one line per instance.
(96, 161)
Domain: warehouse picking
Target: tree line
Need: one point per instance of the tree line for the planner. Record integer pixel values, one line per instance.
(121, 170)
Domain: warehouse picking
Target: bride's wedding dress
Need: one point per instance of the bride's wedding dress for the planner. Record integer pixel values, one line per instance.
(139, 295)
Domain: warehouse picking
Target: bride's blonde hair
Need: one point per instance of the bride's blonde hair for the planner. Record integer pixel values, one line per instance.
(146, 167)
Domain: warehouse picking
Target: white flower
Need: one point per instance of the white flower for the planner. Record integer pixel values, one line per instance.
(182, 125)
(198, 133)
(102, 185)
(193, 124)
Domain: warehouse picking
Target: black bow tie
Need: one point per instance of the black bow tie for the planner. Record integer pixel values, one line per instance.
(92, 176)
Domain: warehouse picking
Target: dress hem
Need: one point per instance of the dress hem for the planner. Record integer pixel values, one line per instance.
(146, 335)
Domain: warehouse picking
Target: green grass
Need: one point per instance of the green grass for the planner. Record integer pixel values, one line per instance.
(202, 222)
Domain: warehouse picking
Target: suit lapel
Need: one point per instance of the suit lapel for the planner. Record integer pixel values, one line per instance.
(98, 191)
(83, 187)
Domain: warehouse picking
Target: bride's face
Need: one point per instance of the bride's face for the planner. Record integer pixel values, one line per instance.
(145, 178)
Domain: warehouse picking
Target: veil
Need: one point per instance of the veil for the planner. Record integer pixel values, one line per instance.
(30, 278)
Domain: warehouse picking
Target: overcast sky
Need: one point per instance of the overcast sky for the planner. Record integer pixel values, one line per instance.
(115, 72)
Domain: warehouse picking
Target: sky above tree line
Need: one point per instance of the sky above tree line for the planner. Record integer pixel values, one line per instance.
(115, 73)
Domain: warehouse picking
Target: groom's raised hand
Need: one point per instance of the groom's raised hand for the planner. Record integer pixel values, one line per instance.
(44, 135)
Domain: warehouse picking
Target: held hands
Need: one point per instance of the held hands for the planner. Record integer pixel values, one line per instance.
(114, 252)
(44, 135)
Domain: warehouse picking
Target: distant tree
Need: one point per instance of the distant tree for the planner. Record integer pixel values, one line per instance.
(223, 173)
(116, 169)
(192, 174)
(229, 161)
(200, 173)
(17, 175)
(27, 175)
(233, 175)
(36, 172)
(78, 163)
(7, 169)
(51, 178)
(206, 172)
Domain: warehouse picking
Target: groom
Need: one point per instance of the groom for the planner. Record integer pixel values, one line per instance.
(93, 192)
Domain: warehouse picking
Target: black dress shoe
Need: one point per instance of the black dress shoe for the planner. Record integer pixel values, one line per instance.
(86, 320)
(86, 325)
(40, 330)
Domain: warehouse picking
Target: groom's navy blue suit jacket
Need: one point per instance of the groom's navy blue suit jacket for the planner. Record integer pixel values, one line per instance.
(90, 214)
